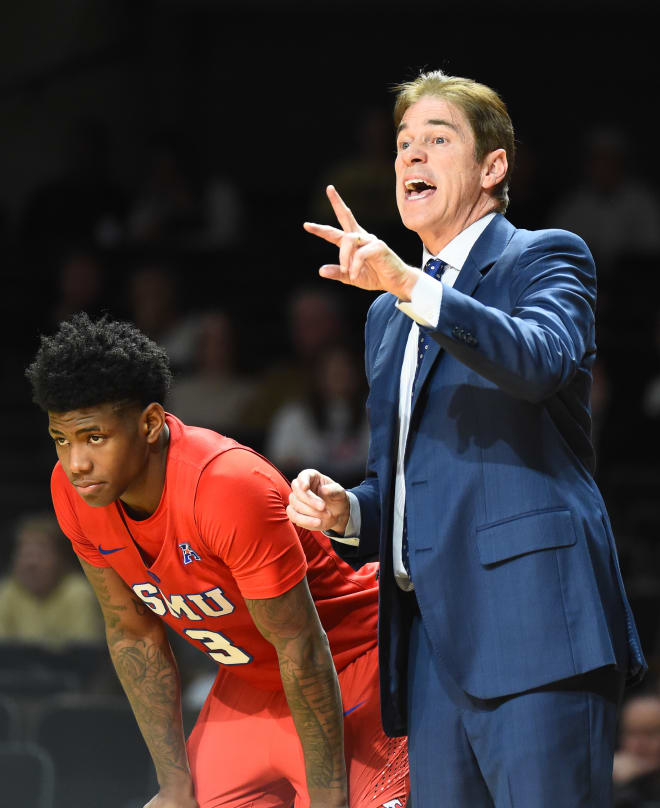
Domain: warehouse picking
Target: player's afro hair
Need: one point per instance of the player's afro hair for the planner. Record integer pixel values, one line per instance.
(87, 363)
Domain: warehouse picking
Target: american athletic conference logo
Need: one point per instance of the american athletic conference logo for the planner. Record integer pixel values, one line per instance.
(189, 555)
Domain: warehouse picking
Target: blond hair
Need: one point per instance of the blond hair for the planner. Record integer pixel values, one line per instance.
(483, 109)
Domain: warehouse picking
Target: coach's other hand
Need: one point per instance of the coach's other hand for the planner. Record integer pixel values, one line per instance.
(317, 502)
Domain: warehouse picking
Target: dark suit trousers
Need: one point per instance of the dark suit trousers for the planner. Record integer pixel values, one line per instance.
(547, 748)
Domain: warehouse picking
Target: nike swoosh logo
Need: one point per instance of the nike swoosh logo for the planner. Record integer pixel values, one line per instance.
(348, 712)
(111, 550)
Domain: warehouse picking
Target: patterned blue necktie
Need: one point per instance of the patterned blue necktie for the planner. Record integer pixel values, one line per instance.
(433, 267)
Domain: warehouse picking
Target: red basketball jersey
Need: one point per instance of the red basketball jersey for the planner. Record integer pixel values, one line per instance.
(221, 534)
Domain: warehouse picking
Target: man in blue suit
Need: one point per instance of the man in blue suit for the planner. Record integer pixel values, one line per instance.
(505, 632)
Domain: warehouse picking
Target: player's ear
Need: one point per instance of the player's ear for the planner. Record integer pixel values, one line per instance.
(152, 421)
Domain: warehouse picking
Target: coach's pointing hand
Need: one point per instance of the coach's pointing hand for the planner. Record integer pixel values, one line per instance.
(317, 502)
(364, 260)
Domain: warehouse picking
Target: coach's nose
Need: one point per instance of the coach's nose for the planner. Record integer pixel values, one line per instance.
(415, 153)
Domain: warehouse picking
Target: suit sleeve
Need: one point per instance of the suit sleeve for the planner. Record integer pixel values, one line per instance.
(536, 349)
(368, 548)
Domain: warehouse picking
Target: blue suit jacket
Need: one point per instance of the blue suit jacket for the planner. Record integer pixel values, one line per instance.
(511, 550)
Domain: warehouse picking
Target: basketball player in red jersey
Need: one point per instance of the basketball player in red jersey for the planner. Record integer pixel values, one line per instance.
(181, 525)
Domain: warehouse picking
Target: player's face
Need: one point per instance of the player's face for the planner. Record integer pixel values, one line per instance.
(438, 180)
(103, 450)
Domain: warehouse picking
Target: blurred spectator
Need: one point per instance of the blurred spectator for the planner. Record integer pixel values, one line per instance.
(366, 177)
(328, 428)
(80, 279)
(637, 762)
(315, 323)
(43, 599)
(213, 394)
(223, 214)
(71, 278)
(614, 212)
(175, 206)
(83, 203)
(155, 307)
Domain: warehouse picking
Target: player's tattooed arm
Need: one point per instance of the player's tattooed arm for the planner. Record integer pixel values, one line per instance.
(290, 622)
(147, 670)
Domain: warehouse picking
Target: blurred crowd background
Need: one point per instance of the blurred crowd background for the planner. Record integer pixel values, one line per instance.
(157, 160)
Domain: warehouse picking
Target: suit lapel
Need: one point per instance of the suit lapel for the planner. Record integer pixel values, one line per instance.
(482, 256)
(386, 375)
(385, 382)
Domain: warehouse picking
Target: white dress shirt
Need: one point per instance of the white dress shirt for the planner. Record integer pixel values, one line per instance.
(423, 309)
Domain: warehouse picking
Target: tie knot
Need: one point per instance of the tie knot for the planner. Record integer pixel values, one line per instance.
(434, 267)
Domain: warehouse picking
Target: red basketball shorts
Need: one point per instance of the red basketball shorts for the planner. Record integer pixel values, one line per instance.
(244, 751)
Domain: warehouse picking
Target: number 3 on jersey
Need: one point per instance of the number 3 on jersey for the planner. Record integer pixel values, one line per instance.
(219, 647)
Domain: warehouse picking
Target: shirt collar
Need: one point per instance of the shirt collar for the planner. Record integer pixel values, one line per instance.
(456, 252)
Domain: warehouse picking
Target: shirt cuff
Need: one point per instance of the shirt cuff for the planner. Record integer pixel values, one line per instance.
(352, 533)
(425, 302)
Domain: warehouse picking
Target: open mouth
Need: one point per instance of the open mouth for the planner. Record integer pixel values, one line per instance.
(417, 188)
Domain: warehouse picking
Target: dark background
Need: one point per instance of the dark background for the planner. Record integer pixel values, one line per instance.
(268, 95)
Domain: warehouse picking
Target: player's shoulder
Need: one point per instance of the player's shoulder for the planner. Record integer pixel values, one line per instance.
(237, 459)
(240, 487)
(239, 470)
(67, 504)
(57, 475)
(194, 445)
(59, 485)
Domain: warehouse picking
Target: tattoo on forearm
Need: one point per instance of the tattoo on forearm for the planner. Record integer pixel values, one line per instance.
(313, 697)
(111, 611)
(140, 607)
(146, 668)
(150, 679)
(309, 680)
